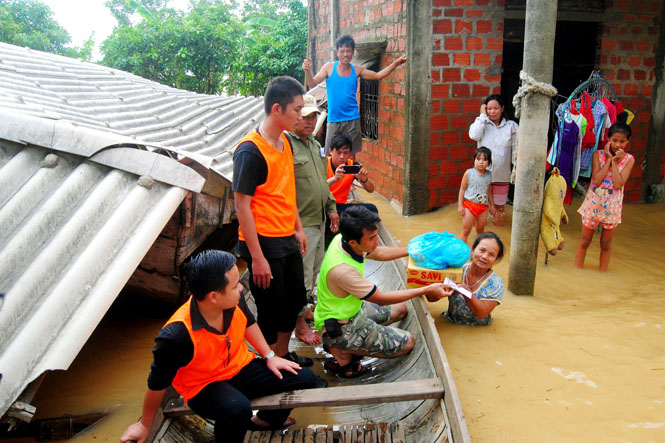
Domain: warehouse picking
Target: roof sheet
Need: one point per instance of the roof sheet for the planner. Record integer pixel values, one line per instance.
(87, 95)
(79, 205)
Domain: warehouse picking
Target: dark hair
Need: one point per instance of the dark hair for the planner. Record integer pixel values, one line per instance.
(345, 40)
(206, 272)
(620, 128)
(355, 220)
(486, 152)
(499, 100)
(490, 235)
(281, 90)
(340, 140)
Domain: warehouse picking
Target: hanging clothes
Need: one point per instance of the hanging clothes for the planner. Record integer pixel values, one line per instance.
(589, 137)
(599, 112)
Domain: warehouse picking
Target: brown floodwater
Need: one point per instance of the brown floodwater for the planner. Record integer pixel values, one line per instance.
(582, 360)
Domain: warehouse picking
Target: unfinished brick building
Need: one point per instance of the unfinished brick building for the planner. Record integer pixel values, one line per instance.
(415, 122)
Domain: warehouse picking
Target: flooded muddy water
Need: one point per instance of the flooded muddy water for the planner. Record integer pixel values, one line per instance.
(582, 360)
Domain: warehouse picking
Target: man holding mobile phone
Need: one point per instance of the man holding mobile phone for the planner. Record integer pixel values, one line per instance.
(342, 172)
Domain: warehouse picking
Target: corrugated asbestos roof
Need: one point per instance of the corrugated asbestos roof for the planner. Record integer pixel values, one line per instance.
(80, 205)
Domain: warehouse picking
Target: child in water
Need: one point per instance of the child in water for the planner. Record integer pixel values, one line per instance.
(604, 199)
(475, 193)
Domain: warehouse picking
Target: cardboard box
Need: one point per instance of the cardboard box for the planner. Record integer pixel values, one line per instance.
(417, 276)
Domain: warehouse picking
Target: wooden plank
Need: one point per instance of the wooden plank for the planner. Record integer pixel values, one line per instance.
(288, 436)
(266, 436)
(320, 436)
(398, 432)
(337, 396)
(298, 436)
(451, 398)
(309, 436)
(161, 256)
(384, 433)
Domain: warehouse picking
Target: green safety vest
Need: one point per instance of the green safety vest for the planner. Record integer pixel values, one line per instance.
(329, 305)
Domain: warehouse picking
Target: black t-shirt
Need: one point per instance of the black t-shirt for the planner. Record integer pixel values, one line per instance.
(174, 347)
(250, 170)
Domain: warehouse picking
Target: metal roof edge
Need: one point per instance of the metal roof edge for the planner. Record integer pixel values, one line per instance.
(189, 171)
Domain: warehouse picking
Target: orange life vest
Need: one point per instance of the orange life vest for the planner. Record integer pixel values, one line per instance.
(340, 190)
(274, 202)
(216, 356)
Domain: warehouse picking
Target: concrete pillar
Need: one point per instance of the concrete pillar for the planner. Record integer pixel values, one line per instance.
(539, 34)
(418, 107)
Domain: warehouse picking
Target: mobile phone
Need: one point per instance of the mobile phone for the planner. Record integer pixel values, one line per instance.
(351, 169)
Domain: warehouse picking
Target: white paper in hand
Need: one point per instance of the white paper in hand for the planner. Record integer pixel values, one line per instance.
(455, 287)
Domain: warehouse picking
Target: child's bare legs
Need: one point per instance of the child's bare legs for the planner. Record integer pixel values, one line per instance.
(606, 236)
(582, 246)
(481, 221)
(498, 215)
(467, 223)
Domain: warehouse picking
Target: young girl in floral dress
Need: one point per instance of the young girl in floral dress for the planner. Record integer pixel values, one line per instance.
(604, 200)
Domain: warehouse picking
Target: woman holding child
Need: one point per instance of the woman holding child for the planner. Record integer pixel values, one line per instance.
(485, 285)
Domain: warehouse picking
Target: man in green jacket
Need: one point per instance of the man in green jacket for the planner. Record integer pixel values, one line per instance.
(352, 313)
(314, 201)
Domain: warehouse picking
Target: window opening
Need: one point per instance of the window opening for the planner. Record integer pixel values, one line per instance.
(369, 108)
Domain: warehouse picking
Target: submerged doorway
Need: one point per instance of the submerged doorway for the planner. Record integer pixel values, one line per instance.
(575, 49)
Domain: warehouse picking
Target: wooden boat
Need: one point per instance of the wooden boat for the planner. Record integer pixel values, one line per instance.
(412, 398)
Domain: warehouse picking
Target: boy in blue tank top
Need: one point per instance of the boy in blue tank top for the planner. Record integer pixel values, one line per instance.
(341, 85)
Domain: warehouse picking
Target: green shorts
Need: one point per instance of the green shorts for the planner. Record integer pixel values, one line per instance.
(366, 331)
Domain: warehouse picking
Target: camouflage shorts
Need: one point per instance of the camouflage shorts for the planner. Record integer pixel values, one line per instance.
(365, 331)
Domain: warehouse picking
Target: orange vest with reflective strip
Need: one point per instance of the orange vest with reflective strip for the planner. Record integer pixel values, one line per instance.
(274, 202)
(340, 190)
(216, 356)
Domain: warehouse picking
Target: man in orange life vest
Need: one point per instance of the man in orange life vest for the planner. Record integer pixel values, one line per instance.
(340, 178)
(272, 239)
(201, 351)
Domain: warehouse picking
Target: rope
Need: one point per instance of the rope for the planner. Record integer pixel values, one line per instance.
(530, 86)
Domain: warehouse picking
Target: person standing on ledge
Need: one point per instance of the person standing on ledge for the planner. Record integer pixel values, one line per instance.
(341, 86)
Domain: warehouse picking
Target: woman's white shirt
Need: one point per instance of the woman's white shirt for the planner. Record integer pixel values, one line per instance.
(501, 140)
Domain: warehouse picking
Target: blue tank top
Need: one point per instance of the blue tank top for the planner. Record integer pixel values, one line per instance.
(342, 103)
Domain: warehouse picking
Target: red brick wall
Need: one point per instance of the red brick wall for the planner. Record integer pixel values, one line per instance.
(627, 57)
(374, 21)
(466, 67)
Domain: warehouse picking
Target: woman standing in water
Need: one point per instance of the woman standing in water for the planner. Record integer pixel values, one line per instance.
(493, 129)
(485, 285)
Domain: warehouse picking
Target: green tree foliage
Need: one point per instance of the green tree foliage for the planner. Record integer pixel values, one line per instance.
(215, 47)
(275, 43)
(30, 23)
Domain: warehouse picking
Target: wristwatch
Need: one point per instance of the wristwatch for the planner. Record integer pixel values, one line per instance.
(270, 355)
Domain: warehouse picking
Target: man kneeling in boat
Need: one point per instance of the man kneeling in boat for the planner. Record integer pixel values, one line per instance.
(201, 351)
(352, 313)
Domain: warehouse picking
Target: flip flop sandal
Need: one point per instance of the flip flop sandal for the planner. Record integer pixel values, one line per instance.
(352, 370)
(290, 421)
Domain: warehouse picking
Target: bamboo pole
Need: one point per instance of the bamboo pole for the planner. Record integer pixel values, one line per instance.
(539, 34)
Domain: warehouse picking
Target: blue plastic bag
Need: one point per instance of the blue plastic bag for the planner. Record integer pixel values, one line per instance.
(438, 250)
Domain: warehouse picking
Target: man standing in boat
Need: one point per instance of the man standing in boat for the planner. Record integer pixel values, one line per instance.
(271, 237)
(315, 204)
(201, 352)
(352, 313)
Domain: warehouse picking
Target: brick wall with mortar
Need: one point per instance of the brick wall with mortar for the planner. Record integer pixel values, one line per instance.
(466, 67)
(376, 21)
(627, 57)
